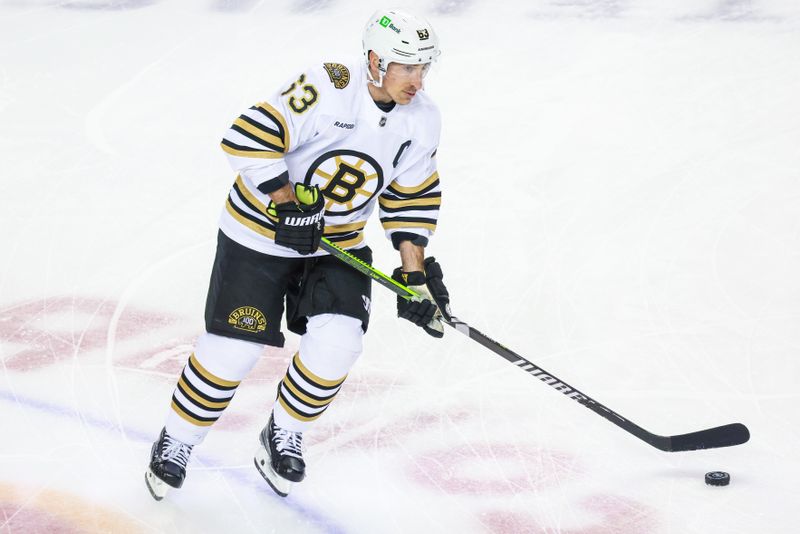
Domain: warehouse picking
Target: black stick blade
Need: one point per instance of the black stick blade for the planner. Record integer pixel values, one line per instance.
(711, 438)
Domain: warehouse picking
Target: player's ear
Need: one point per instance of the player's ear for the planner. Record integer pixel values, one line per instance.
(373, 59)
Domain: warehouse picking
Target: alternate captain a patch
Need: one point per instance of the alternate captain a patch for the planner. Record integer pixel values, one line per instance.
(338, 74)
(248, 319)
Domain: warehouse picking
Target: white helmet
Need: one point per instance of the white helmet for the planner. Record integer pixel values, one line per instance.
(398, 37)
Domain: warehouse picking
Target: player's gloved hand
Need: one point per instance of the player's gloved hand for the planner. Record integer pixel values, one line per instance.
(301, 224)
(433, 301)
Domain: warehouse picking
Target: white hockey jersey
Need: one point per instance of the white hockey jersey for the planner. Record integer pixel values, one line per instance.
(324, 128)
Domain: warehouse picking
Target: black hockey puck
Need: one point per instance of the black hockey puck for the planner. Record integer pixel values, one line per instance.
(718, 478)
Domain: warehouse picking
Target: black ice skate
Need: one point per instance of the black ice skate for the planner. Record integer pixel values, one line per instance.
(279, 457)
(168, 459)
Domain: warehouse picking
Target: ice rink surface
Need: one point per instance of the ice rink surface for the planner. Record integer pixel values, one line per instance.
(621, 188)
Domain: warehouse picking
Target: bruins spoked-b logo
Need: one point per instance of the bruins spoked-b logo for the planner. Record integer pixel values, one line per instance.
(248, 319)
(348, 179)
(338, 73)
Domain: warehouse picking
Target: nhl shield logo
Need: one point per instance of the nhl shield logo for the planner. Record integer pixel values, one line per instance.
(248, 319)
(338, 73)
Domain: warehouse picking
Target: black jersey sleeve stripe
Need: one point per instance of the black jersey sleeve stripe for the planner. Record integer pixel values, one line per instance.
(262, 142)
(260, 129)
(275, 116)
(404, 194)
(410, 203)
(385, 209)
(390, 223)
(388, 195)
(408, 219)
(247, 152)
(414, 190)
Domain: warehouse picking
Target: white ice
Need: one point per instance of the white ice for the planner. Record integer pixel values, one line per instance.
(622, 181)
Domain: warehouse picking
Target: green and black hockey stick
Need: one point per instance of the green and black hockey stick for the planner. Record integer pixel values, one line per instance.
(710, 438)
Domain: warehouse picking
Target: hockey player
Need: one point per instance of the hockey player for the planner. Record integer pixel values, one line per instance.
(314, 159)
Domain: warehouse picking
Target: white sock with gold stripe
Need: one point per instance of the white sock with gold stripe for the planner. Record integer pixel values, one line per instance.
(328, 349)
(207, 385)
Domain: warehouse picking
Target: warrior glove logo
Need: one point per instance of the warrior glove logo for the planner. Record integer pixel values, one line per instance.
(248, 319)
(303, 221)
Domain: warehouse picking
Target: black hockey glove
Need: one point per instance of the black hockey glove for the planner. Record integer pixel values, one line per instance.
(434, 302)
(300, 225)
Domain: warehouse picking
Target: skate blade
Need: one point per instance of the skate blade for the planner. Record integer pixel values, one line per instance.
(279, 485)
(158, 488)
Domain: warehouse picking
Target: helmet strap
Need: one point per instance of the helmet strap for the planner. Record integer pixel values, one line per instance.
(373, 81)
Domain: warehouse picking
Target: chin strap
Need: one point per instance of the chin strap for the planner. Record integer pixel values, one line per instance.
(373, 81)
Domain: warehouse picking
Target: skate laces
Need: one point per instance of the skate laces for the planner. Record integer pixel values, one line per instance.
(175, 451)
(287, 442)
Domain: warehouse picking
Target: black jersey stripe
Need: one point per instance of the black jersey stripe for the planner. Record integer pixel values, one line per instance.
(387, 195)
(274, 115)
(245, 199)
(408, 220)
(406, 190)
(245, 152)
(396, 192)
(266, 224)
(261, 130)
(249, 221)
(410, 208)
(256, 139)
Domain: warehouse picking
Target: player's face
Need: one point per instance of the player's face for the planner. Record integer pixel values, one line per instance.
(402, 82)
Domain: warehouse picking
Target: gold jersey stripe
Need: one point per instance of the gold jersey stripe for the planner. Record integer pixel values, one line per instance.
(291, 411)
(252, 198)
(188, 417)
(350, 227)
(251, 154)
(405, 224)
(210, 377)
(259, 133)
(415, 189)
(276, 115)
(435, 201)
(204, 403)
(305, 398)
(257, 228)
(311, 377)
